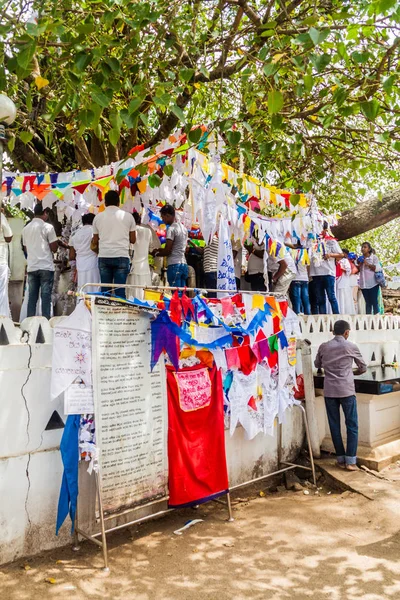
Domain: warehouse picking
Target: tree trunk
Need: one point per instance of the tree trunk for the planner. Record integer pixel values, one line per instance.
(368, 215)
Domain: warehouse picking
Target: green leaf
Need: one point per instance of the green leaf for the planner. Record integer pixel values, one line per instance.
(204, 71)
(308, 82)
(59, 106)
(340, 96)
(388, 83)
(322, 62)
(268, 33)
(115, 120)
(234, 137)
(144, 119)
(275, 101)
(303, 39)
(28, 100)
(269, 25)
(127, 118)
(360, 57)
(318, 36)
(269, 69)
(113, 136)
(25, 137)
(294, 199)
(327, 121)
(168, 170)
(11, 143)
(186, 74)
(86, 116)
(154, 180)
(82, 60)
(195, 135)
(85, 28)
(25, 55)
(114, 63)
(101, 98)
(262, 55)
(134, 105)
(178, 112)
(385, 5)
(352, 32)
(370, 109)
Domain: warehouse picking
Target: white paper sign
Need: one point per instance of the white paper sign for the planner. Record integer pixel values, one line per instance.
(130, 407)
(78, 399)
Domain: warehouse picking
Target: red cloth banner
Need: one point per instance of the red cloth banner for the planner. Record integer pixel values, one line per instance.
(196, 440)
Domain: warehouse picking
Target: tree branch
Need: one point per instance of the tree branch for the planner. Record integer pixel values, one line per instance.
(368, 215)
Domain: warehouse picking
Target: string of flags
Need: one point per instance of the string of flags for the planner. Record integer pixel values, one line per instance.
(190, 176)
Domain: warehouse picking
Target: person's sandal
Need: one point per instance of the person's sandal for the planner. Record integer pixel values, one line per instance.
(352, 468)
(341, 465)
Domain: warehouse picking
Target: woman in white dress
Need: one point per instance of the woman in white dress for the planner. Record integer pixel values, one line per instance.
(344, 290)
(87, 265)
(140, 274)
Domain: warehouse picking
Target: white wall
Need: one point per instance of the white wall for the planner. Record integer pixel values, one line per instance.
(30, 462)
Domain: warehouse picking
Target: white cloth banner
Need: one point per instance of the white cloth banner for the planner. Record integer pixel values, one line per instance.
(72, 351)
(226, 267)
(4, 304)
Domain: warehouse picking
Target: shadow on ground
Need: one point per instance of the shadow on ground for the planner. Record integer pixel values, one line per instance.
(281, 546)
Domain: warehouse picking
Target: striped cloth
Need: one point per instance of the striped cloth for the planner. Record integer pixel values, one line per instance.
(210, 259)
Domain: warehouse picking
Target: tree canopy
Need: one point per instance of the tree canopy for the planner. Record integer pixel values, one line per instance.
(304, 92)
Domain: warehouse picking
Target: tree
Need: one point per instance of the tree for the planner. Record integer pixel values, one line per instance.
(305, 93)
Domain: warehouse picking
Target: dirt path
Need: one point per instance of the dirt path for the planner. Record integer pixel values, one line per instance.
(285, 545)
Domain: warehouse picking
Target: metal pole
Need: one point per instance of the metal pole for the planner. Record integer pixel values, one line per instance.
(180, 289)
(310, 450)
(228, 501)
(103, 529)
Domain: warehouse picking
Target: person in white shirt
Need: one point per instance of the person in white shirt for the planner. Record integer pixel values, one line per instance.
(175, 248)
(344, 292)
(87, 264)
(113, 231)
(255, 266)
(40, 242)
(323, 273)
(5, 239)
(299, 286)
(210, 265)
(368, 263)
(140, 270)
(283, 273)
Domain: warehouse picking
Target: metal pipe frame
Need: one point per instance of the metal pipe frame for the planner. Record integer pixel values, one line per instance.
(103, 532)
(179, 289)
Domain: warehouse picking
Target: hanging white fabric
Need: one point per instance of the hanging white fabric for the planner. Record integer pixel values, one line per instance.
(226, 267)
(72, 351)
(4, 304)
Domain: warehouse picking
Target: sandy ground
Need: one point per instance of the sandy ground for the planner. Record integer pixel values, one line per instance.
(283, 545)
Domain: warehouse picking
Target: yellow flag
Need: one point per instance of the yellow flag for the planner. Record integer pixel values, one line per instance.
(41, 82)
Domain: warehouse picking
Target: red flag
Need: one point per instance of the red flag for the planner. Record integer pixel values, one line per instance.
(196, 440)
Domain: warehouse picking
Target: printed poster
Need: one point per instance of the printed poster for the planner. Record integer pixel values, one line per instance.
(130, 407)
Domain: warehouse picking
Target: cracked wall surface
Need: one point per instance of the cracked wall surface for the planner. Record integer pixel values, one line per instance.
(30, 462)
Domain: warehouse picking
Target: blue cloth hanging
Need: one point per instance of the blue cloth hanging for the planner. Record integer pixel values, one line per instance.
(69, 449)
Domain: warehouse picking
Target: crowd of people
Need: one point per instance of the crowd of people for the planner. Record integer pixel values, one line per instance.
(114, 247)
